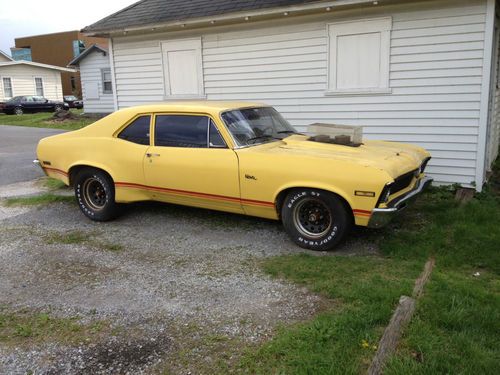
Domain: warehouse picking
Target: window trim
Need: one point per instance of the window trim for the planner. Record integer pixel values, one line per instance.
(36, 88)
(199, 57)
(210, 118)
(11, 87)
(103, 71)
(382, 25)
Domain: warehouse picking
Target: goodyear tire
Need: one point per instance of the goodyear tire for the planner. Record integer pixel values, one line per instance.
(315, 219)
(95, 194)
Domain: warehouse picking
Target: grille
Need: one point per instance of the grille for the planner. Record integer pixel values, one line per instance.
(403, 181)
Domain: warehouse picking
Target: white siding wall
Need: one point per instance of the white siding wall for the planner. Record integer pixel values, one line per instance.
(435, 75)
(23, 81)
(90, 73)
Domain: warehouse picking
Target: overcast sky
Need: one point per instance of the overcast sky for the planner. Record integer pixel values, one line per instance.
(33, 17)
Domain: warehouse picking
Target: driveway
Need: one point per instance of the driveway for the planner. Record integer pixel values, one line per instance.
(17, 151)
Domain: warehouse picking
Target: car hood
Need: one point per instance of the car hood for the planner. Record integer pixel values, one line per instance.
(391, 157)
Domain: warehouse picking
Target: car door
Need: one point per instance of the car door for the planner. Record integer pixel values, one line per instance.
(28, 104)
(190, 164)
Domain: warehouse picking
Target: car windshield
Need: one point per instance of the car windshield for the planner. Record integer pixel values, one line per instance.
(250, 126)
(70, 97)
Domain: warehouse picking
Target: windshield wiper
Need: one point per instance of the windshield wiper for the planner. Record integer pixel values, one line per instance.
(260, 137)
(287, 132)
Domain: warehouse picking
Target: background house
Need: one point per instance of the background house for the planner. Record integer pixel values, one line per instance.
(29, 78)
(423, 71)
(56, 49)
(4, 57)
(95, 72)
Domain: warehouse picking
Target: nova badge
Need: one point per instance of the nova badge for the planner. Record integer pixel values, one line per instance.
(249, 177)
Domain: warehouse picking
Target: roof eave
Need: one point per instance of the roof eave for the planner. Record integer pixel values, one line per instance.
(80, 57)
(228, 17)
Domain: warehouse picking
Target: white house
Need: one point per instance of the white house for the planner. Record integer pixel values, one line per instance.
(95, 73)
(4, 57)
(419, 71)
(30, 78)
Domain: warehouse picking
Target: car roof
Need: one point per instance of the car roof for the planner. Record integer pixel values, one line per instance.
(208, 106)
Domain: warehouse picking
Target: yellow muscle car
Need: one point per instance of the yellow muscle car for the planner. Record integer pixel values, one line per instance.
(236, 157)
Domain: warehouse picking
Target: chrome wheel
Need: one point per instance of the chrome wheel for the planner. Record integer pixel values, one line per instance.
(18, 111)
(58, 108)
(312, 218)
(94, 194)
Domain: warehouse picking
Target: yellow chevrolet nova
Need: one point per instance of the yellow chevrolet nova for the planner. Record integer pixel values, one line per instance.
(235, 157)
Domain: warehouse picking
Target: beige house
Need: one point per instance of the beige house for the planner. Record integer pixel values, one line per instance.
(29, 78)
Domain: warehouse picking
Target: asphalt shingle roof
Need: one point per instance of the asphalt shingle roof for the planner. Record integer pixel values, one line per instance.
(149, 12)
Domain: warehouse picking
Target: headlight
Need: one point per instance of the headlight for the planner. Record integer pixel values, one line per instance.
(424, 164)
(386, 193)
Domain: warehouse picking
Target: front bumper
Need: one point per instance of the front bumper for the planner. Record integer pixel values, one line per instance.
(37, 162)
(382, 216)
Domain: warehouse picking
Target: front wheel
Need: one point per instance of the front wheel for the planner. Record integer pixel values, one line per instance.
(58, 108)
(18, 111)
(315, 219)
(95, 194)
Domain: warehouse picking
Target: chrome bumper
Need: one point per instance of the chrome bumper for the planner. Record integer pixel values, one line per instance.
(37, 162)
(382, 216)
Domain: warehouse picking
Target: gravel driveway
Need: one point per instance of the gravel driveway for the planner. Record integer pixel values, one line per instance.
(181, 288)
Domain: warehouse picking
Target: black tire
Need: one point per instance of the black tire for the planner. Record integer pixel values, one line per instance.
(95, 194)
(58, 108)
(18, 111)
(315, 219)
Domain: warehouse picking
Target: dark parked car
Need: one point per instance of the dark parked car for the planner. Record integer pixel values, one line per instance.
(30, 104)
(73, 102)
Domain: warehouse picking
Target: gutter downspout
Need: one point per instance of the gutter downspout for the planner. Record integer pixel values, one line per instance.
(113, 78)
(484, 113)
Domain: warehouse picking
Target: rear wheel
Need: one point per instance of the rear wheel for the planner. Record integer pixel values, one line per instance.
(315, 219)
(18, 111)
(95, 194)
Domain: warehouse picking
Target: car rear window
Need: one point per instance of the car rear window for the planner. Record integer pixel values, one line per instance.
(137, 131)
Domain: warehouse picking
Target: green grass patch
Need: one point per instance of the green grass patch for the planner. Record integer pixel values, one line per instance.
(455, 329)
(27, 328)
(41, 199)
(75, 237)
(343, 340)
(52, 183)
(44, 120)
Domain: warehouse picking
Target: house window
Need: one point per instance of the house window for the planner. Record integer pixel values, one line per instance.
(7, 87)
(359, 56)
(39, 86)
(182, 68)
(107, 85)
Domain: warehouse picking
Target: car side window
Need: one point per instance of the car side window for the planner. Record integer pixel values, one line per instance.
(216, 140)
(181, 131)
(137, 131)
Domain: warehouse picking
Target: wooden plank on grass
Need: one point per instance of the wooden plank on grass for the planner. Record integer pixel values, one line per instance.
(392, 334)
(399, 320)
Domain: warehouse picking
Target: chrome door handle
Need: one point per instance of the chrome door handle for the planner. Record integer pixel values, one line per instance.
(149, 155)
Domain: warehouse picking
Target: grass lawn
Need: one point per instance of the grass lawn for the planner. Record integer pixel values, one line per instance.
(44, 120)
(457, 323)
